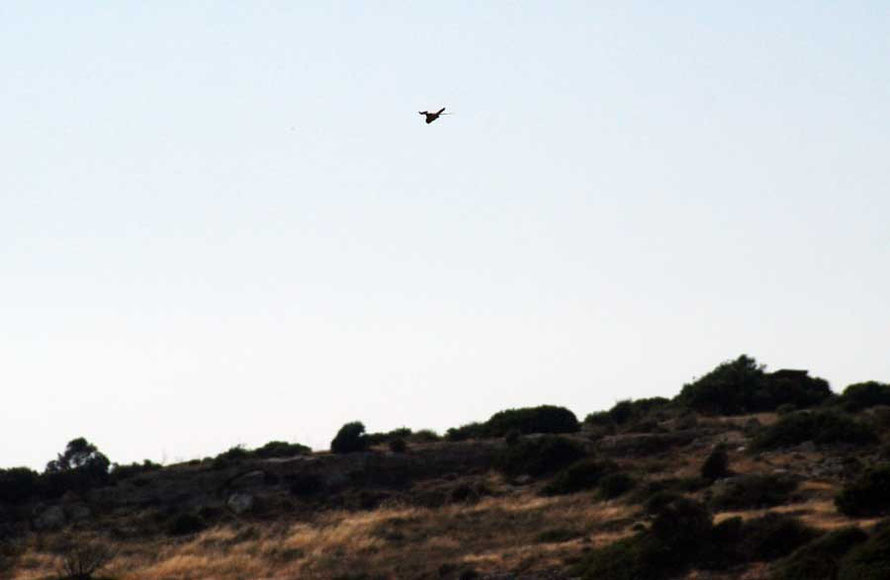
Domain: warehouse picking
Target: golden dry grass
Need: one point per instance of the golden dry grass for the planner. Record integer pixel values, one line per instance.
(495, 534)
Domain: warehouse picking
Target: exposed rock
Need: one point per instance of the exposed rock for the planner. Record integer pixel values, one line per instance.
(240, 502)
(250, 479)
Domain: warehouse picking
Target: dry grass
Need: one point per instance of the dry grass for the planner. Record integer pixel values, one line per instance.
(495, 534)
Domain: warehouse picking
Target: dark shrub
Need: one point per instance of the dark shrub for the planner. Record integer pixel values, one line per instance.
(378, 438)
(773, 535)
(600, 419)
(558, 535)
(398, 446)
(469, 431)
(867, 496)
(722, 551)
(542, 419)
(350, 438)
(281, 449)
(81, 467)
(679, 537)
(81, 560)
(742, 386)
(868, 561)
(624, 412)
(821, 427)
(184, 524)
(539, 456)
(753, 491)
(684, 527)
(18, 484)
(820, 559)
(635, 558)
(864, 395)
(305, 484)
(716, 466)
(579, 476)
(613, 485)
(122, 472)
(424, 436)
(659, 500)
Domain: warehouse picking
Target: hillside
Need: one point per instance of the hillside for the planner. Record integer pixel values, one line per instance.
(744, 474)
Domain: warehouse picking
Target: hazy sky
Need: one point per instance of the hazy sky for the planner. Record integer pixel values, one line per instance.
(225, 223)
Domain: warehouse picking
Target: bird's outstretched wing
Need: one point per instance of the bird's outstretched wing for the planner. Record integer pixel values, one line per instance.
(440, 111)
(423, 112)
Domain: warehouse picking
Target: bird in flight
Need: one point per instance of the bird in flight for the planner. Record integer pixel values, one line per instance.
(430, 117)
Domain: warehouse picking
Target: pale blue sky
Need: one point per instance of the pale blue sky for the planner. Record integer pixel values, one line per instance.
(226, 223)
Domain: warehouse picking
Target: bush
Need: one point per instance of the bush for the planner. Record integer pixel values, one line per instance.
(716, 466)
(863, 395)
(122, 472)
(424, 436)
(398, 446)
(742, 386)
(821, 427)
(539, 456)
(350, 438)
(753, 491)
(305, 484)
(281, 449)
(820, 559)
(558, 535)
(579, 476)
(613, 485)
(627, 411)
(773, 536)
(684, 527)
(18, 484)
(634, 558)
(185, 524)
(81, 561)
(542, 419)
(473, 430)
(81, 467)
(870, 560)
(867, 496)
(379, 438)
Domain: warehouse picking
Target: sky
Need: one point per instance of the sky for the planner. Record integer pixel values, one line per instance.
(224, 223)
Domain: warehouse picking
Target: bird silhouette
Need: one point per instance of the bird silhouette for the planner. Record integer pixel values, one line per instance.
(430, 117)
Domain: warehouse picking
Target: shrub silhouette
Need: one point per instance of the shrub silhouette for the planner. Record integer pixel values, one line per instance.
(863, 395)
(398, 446)
(542, 419)
(613, 485)
(684, 527)
(742, 386)
(820, 559)
(81, 467)
(716, 466)
(867, 496)
(870, 560)
(18, 484)
(773, 536)
(821, 427)
(185, 524)
(122, 472)
(473, 430)
(753, 491)
(280, 449)
(350, 438)
(305, 484)
(627, 411)
(579, 476)
(81, 561)
(539, 456)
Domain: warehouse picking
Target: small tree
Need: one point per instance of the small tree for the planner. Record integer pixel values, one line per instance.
(350, 438)
(716, 466)
(79, 468)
